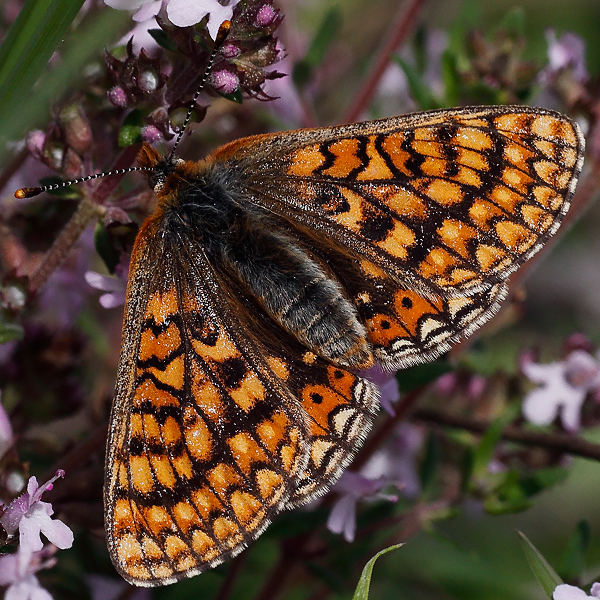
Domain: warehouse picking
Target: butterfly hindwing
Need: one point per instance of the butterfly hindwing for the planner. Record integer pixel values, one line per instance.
(406, 327)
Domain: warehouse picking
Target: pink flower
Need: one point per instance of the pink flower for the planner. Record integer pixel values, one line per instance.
(265, 16)
(570, 592)
(225, 81)
(563, 388)
(114, 286)
(150, 134)
(354, 487)
(566, 51)
(20, 577)
(183, 13)
(6, 432)
(117, 96)
(32, 517)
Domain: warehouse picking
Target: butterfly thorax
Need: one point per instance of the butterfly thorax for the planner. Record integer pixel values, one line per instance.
(246, 245)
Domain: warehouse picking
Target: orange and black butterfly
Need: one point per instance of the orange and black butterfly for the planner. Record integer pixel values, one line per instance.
(275, 269)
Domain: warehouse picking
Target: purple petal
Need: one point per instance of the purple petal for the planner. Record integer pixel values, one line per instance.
(582, 370)
(541, 373)
(112, 300)
(32, 489)
(27, 589)
(570, 414)
(539, 407)
(567, 51)
(30, 527)
(342, 517)
(57, 533)
(184, 13)
(126, 4)
(9, 569)
(147, 11)
(104, 283)
(569, 592)
(357, 485)
(14, 513)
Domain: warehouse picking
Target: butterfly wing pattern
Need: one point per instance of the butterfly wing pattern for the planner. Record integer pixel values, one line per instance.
(275, 269)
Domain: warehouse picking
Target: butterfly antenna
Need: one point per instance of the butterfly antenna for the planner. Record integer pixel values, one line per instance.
(221, 37)
(30, 192)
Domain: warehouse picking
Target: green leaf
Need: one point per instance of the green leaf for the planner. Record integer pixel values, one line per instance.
(541, 568)
(162, 39)
(24, 55)
(28, 46)
(572, 562)
(418, 88)
(330, 26)
(10, 331)
(429, 465)
(362, 589)
(451, 79)
(513, 22)
(131, 130)
(542, 479)
(487, 447)
(108, 253)
(236, 97)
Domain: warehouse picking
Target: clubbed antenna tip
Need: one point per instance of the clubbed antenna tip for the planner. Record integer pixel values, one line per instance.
(222, 33)
(28, 192)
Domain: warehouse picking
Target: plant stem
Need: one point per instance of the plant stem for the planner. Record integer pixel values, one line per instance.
(397, 33)
(563, 442)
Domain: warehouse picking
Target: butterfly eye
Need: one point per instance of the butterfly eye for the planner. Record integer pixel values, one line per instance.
(157, 181)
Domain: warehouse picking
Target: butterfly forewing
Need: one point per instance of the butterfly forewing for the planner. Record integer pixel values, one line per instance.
(206, 443)
(450, 200)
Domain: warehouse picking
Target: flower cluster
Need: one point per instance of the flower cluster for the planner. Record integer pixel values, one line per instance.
(563, 387)
(239, 68)
(29, 517)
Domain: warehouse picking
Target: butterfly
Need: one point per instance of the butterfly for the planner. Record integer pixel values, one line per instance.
(274, 270)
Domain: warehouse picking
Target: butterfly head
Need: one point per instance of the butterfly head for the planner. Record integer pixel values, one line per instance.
(158, 167)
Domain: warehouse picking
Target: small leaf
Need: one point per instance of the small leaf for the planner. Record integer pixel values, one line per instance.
(362, 589)
(24, 56)
(418, 87)
(541, 568)
(513, 22)
(431, 461)
(162, 39)
(572, 562)
(330, 26)
(451, 79)
(131, 130)
(236, 96)
(108, 253)
(487, 447)
(10, 331)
